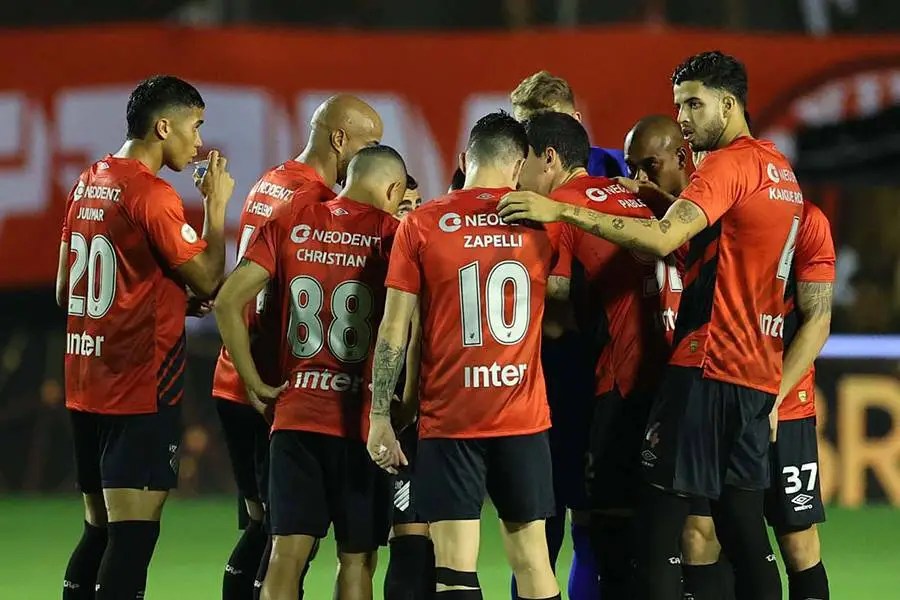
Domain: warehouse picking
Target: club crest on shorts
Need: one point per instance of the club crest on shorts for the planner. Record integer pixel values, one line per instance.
(173, 458)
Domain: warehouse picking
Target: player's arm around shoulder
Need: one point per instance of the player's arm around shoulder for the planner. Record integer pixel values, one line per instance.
(682, 221)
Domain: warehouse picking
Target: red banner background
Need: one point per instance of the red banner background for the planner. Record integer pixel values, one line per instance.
(62, 96)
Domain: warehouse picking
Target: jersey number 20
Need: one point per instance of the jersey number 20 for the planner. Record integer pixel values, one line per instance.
(98, 260)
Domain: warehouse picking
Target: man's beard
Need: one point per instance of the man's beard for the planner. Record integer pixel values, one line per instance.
(709, 139)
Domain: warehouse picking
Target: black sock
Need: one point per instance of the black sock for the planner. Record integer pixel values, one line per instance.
(703, 582)
(410, 571)
(742, 531)
(123, 571)
(240, 572)
(809, 584)
(81, 573)
(658, 524)
(726, 576)
(611, 539)
(263, 569)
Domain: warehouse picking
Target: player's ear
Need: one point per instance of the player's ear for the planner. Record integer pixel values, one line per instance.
(161, 128)
(681, 154)
(550, 157)
(728, 104)
(461, 160)
(517, 169)
(338, 137)
(578, 117)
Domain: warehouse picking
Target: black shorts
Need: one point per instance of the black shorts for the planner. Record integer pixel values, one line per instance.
(569, 373)
(127, 451)
(452, 476)
(317, 479)
(794, 500)
(703, 434)
(614, 465)
(247, 439)
(405, 510)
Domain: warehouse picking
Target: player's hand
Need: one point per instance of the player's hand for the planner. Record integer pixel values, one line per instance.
(773, 424)
(262, 397)
(645, 190)
(198, 307)
(528, 206)
(217, 184)
(383, 445)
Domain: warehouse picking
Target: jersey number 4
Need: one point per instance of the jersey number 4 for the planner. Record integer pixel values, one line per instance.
(98, 260)
(350, 331)
(507, 276)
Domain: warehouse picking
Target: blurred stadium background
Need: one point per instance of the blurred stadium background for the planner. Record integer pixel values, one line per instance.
(824, 84)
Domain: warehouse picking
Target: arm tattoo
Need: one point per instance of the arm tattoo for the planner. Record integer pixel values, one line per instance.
(618, 223)
(687, 212)
(665, 225)
(388, 361)
(558, 287)
(814, 299)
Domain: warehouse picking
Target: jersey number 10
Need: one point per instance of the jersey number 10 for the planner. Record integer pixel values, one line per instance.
(503, 275)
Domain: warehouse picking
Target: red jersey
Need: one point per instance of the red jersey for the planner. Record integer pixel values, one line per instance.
(813, 263)
(125, 342)
(481, 286)
(328, 262)
(291, 181)
(733, 307)
(628, 301)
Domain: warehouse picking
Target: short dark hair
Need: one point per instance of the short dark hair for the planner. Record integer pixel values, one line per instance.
(564, 134)
(458, 180)
(155, 95)
(497, 136)
(411, 183)
(715, 70)
(378, 157)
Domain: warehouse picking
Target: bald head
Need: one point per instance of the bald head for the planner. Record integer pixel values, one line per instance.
(348, 112)
(654, 150)
(343, 125)
(377, 173)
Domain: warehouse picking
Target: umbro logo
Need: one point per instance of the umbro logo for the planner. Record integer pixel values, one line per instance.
(801, 499)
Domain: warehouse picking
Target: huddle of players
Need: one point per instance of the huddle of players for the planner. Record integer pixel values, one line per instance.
(338, 288)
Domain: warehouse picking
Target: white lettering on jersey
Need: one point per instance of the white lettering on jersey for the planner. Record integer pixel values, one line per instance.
(301, 233)
(327, 381)
(792, 196)
(493, 241)
(260, 208)
(331, 258)
(101, 192)
(273, 190)
(631, 203)
(451, 222)
(483, 376)
(90, 214)
(84, 344)
(771, 325)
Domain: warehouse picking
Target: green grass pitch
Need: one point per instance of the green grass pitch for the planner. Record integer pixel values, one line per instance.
(861, 548)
